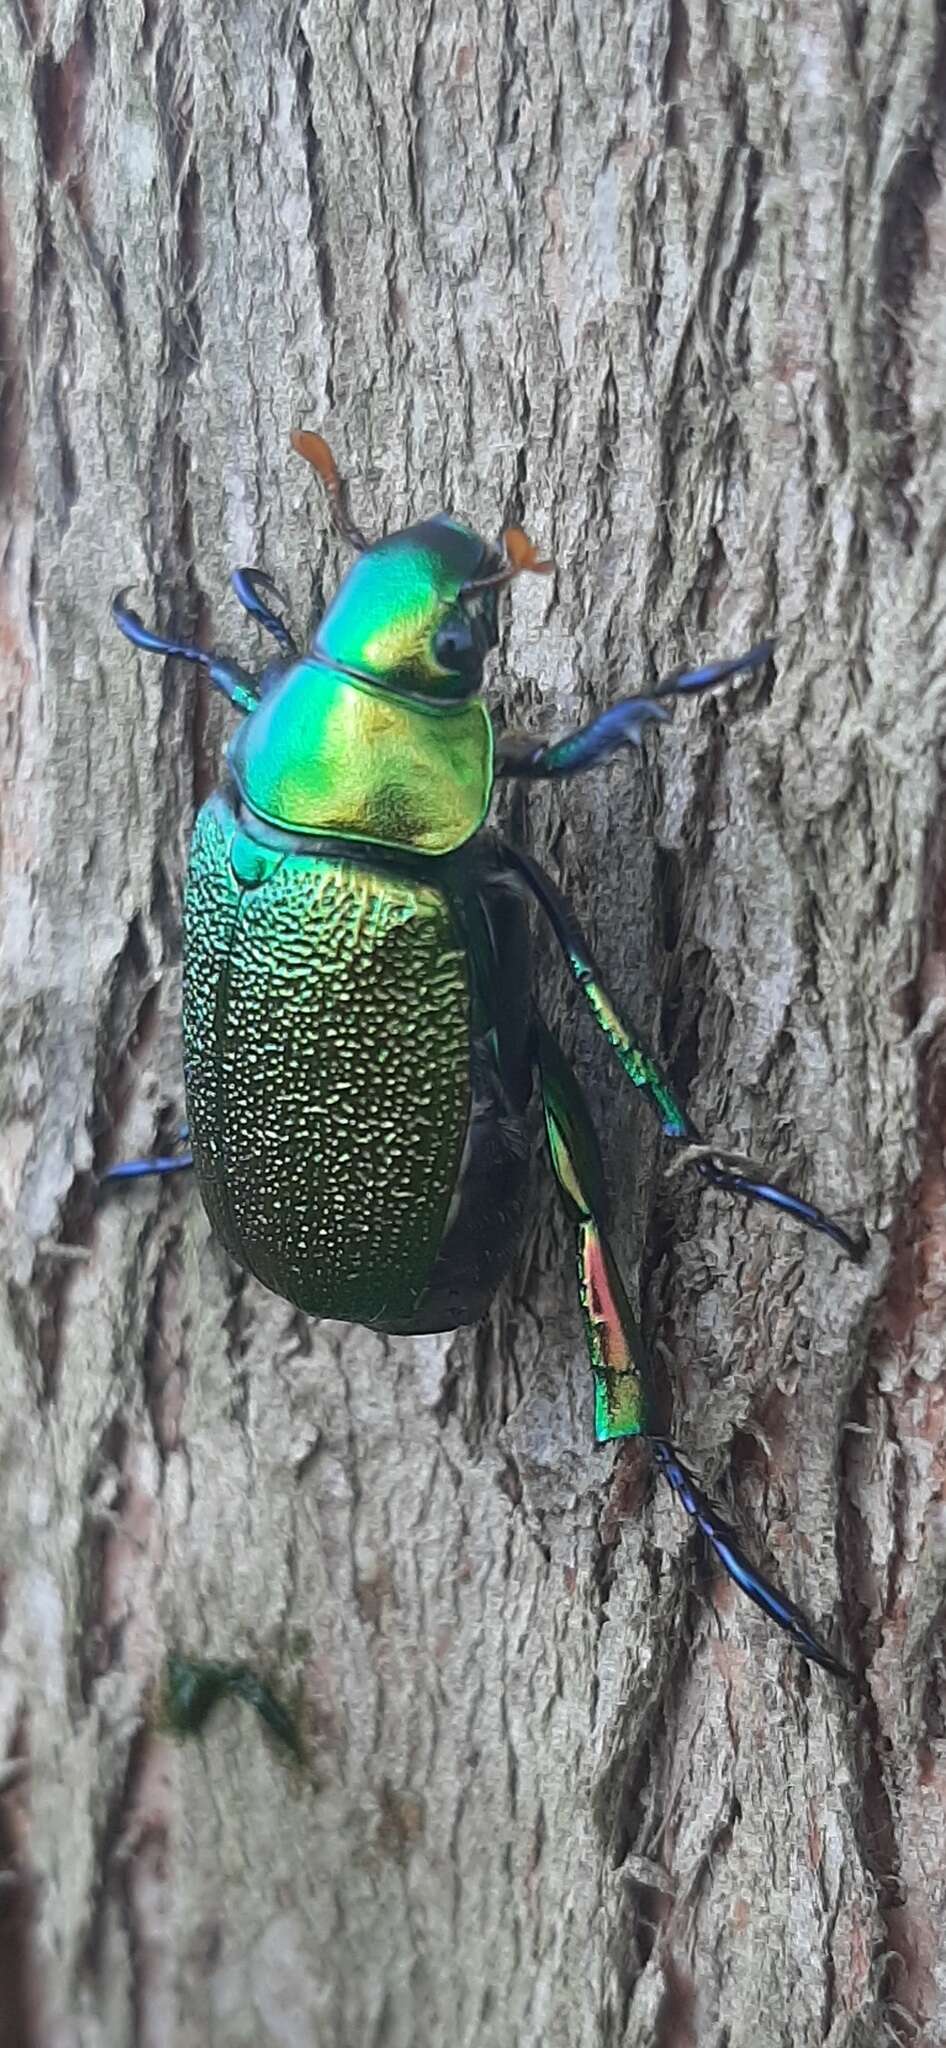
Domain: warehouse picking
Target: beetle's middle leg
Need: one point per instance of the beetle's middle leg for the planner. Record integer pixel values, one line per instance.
(721, 1168)
(162, 1163)
(624, 1398)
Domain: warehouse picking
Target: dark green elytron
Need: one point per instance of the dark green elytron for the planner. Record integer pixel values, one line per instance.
(360, 1033)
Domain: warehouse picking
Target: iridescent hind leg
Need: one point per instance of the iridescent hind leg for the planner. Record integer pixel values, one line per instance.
(624, 1403)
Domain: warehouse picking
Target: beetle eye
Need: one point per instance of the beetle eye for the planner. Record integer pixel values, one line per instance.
(455, 646)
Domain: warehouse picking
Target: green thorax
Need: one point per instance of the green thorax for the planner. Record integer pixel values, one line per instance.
(325, 753)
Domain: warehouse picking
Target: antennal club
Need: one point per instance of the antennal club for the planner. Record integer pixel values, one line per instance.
(522, 558)
(316, 451)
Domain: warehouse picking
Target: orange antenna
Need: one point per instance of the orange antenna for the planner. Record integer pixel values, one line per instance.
(316, 451)
(522, 557)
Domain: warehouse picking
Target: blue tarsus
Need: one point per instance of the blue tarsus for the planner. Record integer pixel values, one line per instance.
(247, 583)
(732, 1557)
(688, 682)
(139, 1169)
(623, 724)
(781, 1198)
(167, 1162)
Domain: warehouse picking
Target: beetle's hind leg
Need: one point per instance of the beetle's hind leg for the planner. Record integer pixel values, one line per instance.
(620, 1364)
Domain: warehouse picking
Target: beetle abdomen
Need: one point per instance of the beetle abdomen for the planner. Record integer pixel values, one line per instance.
(327, 1050)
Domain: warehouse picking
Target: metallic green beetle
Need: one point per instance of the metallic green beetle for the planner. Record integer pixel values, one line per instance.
(360, 1033)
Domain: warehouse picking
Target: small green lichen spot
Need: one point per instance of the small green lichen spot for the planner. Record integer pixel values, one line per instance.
(193, 1687)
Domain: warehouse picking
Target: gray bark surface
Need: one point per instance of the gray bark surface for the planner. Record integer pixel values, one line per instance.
(666, 283)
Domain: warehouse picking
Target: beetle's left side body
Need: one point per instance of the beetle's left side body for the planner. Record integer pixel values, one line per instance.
(356, 998)
(360, 1035)
(356, 1061)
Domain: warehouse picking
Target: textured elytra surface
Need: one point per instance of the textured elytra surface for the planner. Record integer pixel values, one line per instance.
(666, 284)
(326, 1049)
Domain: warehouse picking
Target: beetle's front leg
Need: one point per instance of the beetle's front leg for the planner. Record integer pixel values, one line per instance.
(623, 724)
(241, 688)
(624, 1399)
(248, 585)
(723, 1169)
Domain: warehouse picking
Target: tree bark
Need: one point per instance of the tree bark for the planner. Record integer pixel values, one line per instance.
(666, 283)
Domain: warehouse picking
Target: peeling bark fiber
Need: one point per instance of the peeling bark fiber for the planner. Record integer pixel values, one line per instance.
(667, 283)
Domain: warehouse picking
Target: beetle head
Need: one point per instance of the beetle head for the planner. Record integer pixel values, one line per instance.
(418, 610)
